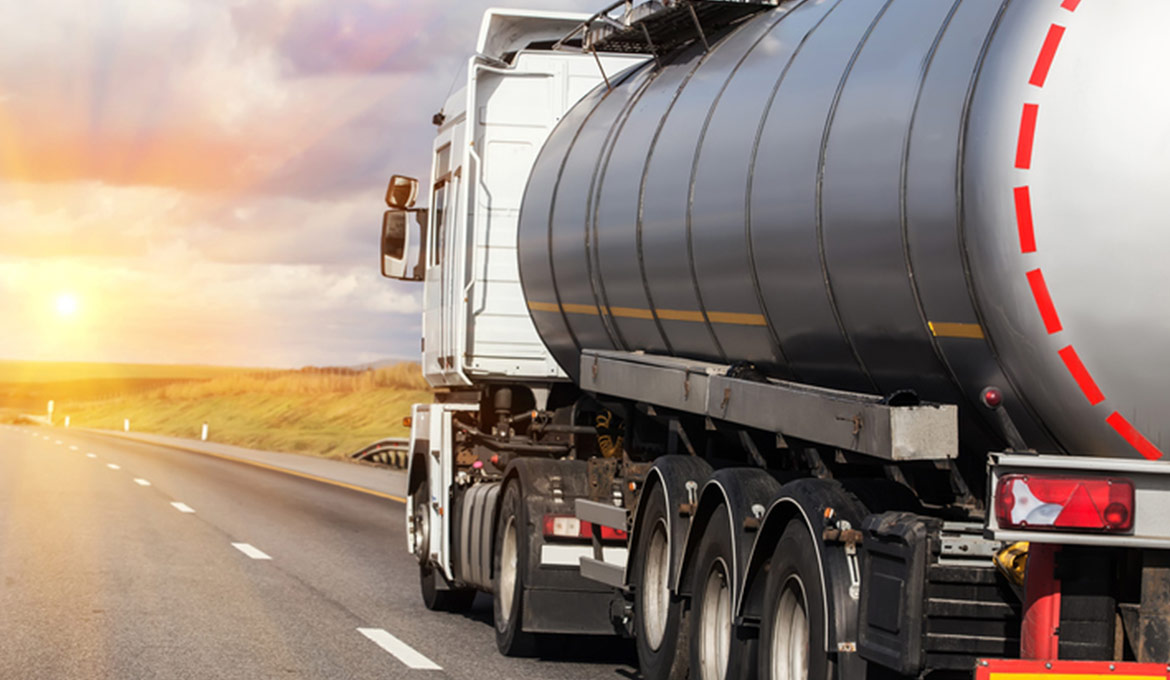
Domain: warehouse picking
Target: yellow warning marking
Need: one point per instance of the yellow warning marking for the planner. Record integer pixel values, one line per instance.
(956, 330)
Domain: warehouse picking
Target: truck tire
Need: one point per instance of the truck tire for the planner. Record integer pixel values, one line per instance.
(792, 633)
(446, 599)
(716, 651)
(660, 620)
(510, 561)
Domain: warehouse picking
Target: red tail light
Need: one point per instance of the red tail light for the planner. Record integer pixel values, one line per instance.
(1064, 503)
(569, 527)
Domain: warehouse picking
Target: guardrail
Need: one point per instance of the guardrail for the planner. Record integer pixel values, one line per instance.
(392, 451)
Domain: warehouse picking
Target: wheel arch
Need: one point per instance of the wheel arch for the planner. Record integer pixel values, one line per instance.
(669, 476)
(807, 501)
(537, 490)
(738, 489)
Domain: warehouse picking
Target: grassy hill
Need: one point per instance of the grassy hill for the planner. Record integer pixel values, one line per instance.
(321, 411)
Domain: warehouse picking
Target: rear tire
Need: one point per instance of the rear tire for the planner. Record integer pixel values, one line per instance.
(660, 619)
(717, 653)
(510, 562)
(792, 634)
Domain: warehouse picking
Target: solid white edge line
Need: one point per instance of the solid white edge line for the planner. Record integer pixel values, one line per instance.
(182, 507)
(402, 651)
(113, 467)
(251, 551)
(141, 482)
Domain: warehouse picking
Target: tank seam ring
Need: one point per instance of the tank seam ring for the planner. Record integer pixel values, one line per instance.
(1026, 229)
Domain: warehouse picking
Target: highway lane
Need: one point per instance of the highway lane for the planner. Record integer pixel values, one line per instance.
(102, 576)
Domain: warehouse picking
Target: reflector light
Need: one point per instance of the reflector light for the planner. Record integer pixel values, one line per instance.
(567, 526)
(1024, 501)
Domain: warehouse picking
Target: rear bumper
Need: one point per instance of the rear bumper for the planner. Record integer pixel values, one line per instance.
(1034, 669)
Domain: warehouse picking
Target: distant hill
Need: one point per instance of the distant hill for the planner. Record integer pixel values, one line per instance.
(383, 363)
(327, 411)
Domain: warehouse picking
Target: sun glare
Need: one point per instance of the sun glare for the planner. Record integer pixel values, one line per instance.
(66, 304)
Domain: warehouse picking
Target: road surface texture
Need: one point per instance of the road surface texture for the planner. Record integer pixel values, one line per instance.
(129, 559)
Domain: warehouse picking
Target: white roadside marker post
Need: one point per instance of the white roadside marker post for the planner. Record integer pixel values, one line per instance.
(204, 435)
(66, 421)
(126, 425)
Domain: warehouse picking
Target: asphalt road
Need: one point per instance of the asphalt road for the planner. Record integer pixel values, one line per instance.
(127, 560)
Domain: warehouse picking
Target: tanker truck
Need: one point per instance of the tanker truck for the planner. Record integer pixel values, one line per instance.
(802, 340)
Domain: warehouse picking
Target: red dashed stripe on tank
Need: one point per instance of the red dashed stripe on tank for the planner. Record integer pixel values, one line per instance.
(1024, 220)
(1027, 231)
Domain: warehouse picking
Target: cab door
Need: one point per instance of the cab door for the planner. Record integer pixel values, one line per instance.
(437, 289)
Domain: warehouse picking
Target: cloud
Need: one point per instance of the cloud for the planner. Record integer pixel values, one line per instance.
(207, 175)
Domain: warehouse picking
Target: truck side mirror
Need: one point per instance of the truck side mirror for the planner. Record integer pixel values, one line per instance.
(401, 192)
(398, 245)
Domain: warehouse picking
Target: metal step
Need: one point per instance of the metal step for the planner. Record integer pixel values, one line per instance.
(658, 26)
(603, 514)
(605, 572)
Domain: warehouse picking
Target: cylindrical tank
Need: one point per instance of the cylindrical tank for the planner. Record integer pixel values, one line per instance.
(874, 195)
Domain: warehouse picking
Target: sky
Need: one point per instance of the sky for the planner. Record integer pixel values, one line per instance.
(201, 181)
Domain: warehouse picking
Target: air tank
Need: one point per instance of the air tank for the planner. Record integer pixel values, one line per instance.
(878, 195)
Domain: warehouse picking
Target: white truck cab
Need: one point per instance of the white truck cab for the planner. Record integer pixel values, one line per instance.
(476, 326)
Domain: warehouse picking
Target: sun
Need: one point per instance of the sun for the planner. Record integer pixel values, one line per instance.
(66, 305)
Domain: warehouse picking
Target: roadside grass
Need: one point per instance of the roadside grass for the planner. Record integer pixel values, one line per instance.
(325, 412)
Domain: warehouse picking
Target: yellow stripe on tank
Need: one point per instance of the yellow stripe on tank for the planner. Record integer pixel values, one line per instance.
(729, 318)
(971, 331)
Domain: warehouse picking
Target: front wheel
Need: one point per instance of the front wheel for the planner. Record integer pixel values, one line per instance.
(437, 594)
(792, 635)
(510, 562)
(660, 619)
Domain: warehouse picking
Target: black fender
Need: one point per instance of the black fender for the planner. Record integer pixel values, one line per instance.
(739, 489)
(808, 501)
(539, 480)
(669, 476)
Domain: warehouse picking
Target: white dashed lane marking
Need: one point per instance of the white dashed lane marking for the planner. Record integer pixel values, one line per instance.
(182, 507)
(91, 455)
(72, 447)
(141, 482)
(402, 651)
(251, 551)
(113, 467)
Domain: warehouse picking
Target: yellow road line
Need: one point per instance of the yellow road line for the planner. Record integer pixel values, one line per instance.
(274, 468)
